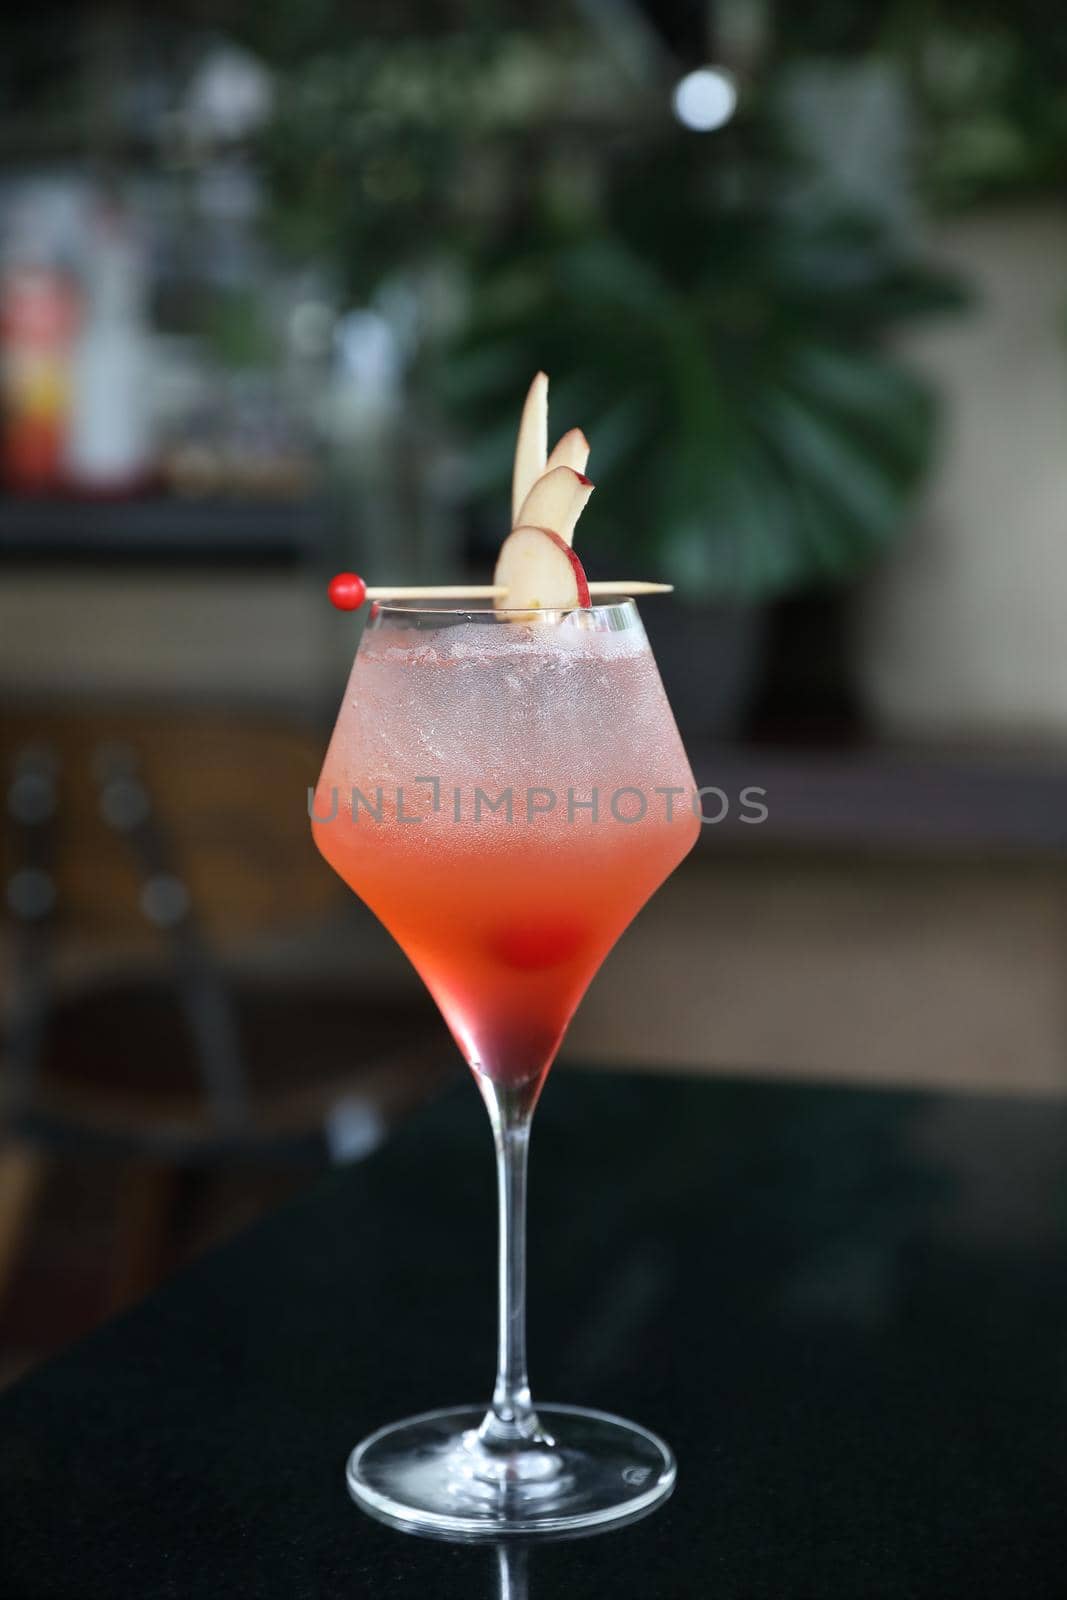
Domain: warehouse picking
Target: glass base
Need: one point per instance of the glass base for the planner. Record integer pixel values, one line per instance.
(434, 1474)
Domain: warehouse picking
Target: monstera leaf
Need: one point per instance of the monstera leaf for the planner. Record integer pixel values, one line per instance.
(751, 431)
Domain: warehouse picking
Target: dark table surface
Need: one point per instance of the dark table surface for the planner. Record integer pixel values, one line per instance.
(846, 1309)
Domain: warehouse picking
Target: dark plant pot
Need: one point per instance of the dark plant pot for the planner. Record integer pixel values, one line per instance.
(709, 658)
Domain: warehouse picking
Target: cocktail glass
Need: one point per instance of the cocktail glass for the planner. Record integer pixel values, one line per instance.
(505, 791)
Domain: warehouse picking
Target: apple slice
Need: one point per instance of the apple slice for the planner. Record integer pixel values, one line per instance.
(571, 451)
(556, 501)
(531, 447)
(540, 572)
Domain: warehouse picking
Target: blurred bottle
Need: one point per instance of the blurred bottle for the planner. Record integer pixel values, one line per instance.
(39, 316)
(110, 446)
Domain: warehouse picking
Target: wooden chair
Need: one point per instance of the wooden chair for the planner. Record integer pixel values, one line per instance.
(150, 861)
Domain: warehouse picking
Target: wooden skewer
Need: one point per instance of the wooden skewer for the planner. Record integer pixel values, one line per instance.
(625, 587)
(489, 591)
(440, 591)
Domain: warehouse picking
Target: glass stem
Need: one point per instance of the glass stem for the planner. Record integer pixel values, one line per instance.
(511, 1419)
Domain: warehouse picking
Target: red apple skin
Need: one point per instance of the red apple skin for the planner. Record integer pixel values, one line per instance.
(582, 598)
(556, 501)
(580, 578)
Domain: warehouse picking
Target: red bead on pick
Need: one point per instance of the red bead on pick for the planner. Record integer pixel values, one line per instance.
(347, 591)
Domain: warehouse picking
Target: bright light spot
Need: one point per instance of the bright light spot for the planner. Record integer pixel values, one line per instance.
(704, 99)
(368, 352)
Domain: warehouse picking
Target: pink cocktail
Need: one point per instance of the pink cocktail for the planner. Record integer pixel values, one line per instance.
(505, 788)
(505, 792)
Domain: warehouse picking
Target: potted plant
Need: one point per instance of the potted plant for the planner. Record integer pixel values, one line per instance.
(752, 435)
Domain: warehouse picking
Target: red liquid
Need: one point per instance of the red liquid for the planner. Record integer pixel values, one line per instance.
(507, 941)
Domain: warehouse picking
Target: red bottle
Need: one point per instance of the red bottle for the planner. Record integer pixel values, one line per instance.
(39, 315)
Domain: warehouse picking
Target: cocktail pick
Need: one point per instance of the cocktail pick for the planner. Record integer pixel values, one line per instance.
(348, 591)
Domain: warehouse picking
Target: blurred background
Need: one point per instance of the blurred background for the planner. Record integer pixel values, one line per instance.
(273, 281)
